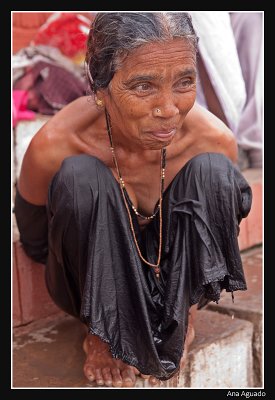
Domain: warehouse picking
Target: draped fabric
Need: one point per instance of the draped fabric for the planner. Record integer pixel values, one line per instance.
(94, 271)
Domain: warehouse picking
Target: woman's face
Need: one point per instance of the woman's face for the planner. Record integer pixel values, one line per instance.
(154, 76)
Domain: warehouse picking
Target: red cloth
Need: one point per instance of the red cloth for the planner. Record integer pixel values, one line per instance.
(67, 32)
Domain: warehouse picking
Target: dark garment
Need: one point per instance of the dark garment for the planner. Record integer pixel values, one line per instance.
(32, 222)
(95, 273)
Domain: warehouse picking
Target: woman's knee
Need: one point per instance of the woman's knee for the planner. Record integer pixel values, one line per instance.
(80, 166)
(79, 172)
(209, 164)
(76, 182)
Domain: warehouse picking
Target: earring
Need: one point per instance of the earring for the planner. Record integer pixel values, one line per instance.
(99, 103)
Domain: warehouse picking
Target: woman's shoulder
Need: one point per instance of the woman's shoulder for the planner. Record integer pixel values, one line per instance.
(59, 138)
(64, 130)
(207, 122)
(74, 117)
(210, 132)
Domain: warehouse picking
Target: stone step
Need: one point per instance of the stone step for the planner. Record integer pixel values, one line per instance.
(248, 305)
(31, 300)
(221, 355)
(251, 228)
(48, 353)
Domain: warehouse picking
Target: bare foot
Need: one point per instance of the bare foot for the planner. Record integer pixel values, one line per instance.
(102, 368)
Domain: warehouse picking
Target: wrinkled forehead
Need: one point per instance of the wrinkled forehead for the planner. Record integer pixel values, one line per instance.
(149, 55)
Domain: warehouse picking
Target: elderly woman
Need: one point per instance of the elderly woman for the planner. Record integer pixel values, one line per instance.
(132, 199)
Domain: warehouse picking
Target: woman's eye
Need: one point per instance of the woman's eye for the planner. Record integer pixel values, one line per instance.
(142, 87)
(186, 83)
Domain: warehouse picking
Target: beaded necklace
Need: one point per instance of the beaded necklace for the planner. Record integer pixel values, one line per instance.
(155, 267)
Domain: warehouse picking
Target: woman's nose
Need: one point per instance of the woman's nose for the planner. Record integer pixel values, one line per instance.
(166, 107)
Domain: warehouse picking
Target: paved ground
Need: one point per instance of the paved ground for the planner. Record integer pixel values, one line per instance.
(48, 353)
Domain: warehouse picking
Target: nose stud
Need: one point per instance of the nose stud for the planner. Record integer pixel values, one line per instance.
(157, 111)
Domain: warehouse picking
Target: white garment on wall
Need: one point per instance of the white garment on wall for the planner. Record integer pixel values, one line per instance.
(218, 50)
(247, 29)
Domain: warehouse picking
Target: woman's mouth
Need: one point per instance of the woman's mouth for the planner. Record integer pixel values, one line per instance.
(163, 134)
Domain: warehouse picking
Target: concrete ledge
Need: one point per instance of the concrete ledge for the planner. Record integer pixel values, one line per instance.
(31, 300)
(251, 227)
(221, 354)
(248, 306)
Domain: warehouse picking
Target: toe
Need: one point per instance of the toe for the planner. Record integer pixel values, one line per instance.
(107, 376)
(136, 371)
(99, 377)
(117, 379)
(128, 376)
(145, 376)
(154, 381)
(89, 373)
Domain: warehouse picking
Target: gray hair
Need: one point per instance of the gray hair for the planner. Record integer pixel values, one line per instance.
(114, 35)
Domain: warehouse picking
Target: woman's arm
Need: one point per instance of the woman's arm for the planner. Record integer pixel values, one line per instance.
(39, 166)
